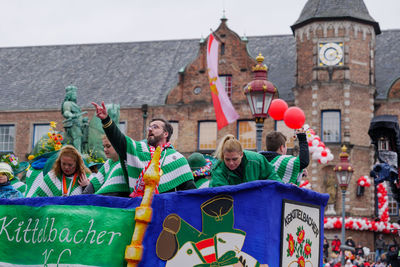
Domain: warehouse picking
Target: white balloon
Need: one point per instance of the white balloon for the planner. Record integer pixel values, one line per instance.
(330, 156)
(323, 160)
(316, 155)
(315, 142)
(362, 183)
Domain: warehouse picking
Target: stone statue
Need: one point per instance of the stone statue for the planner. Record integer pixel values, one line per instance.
(331, 189)
(73, 122)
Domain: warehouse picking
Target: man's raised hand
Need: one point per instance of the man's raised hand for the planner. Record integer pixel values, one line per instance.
(101, 111)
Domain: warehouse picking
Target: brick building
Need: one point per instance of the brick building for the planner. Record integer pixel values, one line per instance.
(168, 79)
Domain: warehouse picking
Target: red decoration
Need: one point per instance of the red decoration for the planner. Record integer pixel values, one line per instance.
(277, 109)
(294, 117)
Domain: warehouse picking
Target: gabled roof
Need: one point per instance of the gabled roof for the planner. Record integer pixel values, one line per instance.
(387, 61)
(132, 74)
(337, 9)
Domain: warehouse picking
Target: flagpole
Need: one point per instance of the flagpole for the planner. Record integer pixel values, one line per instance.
(216, 36)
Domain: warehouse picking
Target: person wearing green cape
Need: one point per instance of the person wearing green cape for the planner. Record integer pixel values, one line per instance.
(236, 166)
(67, 177)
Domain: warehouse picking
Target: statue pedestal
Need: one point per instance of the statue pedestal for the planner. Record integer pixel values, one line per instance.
(330, 209)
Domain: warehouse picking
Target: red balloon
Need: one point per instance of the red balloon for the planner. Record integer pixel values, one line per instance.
(294, 118)
(277, 109)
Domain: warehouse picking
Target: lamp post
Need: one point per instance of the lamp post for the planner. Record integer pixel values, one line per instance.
(343, 171)
(259, 93)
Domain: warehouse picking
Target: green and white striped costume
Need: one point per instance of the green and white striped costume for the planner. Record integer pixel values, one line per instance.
(52, 186)
(174, 166)
(109, 179)
(288, 168)
(17, 184)
(202, 183)
(34, 177)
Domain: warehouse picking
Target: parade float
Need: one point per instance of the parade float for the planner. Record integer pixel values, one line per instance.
(261, 223)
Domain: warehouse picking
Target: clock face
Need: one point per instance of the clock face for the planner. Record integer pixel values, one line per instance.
(331, 54)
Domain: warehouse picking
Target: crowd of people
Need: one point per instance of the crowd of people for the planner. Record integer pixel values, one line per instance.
(359, 256)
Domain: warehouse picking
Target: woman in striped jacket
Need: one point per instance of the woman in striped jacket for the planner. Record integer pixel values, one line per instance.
(68, 176)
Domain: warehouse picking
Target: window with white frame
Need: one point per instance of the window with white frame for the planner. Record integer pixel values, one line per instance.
(247, 134)
(226, 81)
(392, 206)
(122, 127)
(207, 139)
(38, 131)
(330, 130)
(7, 137)
(175, 134)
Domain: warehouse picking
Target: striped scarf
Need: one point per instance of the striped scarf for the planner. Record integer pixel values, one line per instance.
(288, 168)
(109, 179)
(34, 177)
(202, 183)
(52, 186)
(139, 187)
(17, 184)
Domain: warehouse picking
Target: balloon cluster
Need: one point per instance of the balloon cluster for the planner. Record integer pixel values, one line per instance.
(361, 224)
(305, 184)
(293, 117)
(383, 208)
(364, 181)
(316, 147)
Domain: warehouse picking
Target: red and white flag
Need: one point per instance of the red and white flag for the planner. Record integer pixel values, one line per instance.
(224, 111)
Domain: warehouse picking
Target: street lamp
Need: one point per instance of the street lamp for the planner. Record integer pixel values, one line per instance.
(343, 171)
(259, 93)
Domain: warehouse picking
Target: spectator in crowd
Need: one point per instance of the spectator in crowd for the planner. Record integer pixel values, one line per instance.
(348, 263)
(379, 247)
(359, 250)
(350, 242)
(325, 248)
(392, 255)
(336, 245)
(358, 261)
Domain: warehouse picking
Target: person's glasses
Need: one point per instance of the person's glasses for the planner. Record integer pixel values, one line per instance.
(153, 127)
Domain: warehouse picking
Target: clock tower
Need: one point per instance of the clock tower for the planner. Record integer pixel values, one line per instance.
(335, 86)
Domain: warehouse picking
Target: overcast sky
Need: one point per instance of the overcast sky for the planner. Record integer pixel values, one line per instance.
(50, 22)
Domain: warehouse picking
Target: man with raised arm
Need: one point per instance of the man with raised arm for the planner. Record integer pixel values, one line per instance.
(135, 156)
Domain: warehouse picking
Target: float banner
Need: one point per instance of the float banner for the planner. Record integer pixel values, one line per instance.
(301, 234)
(222, 226)
(77, 235)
